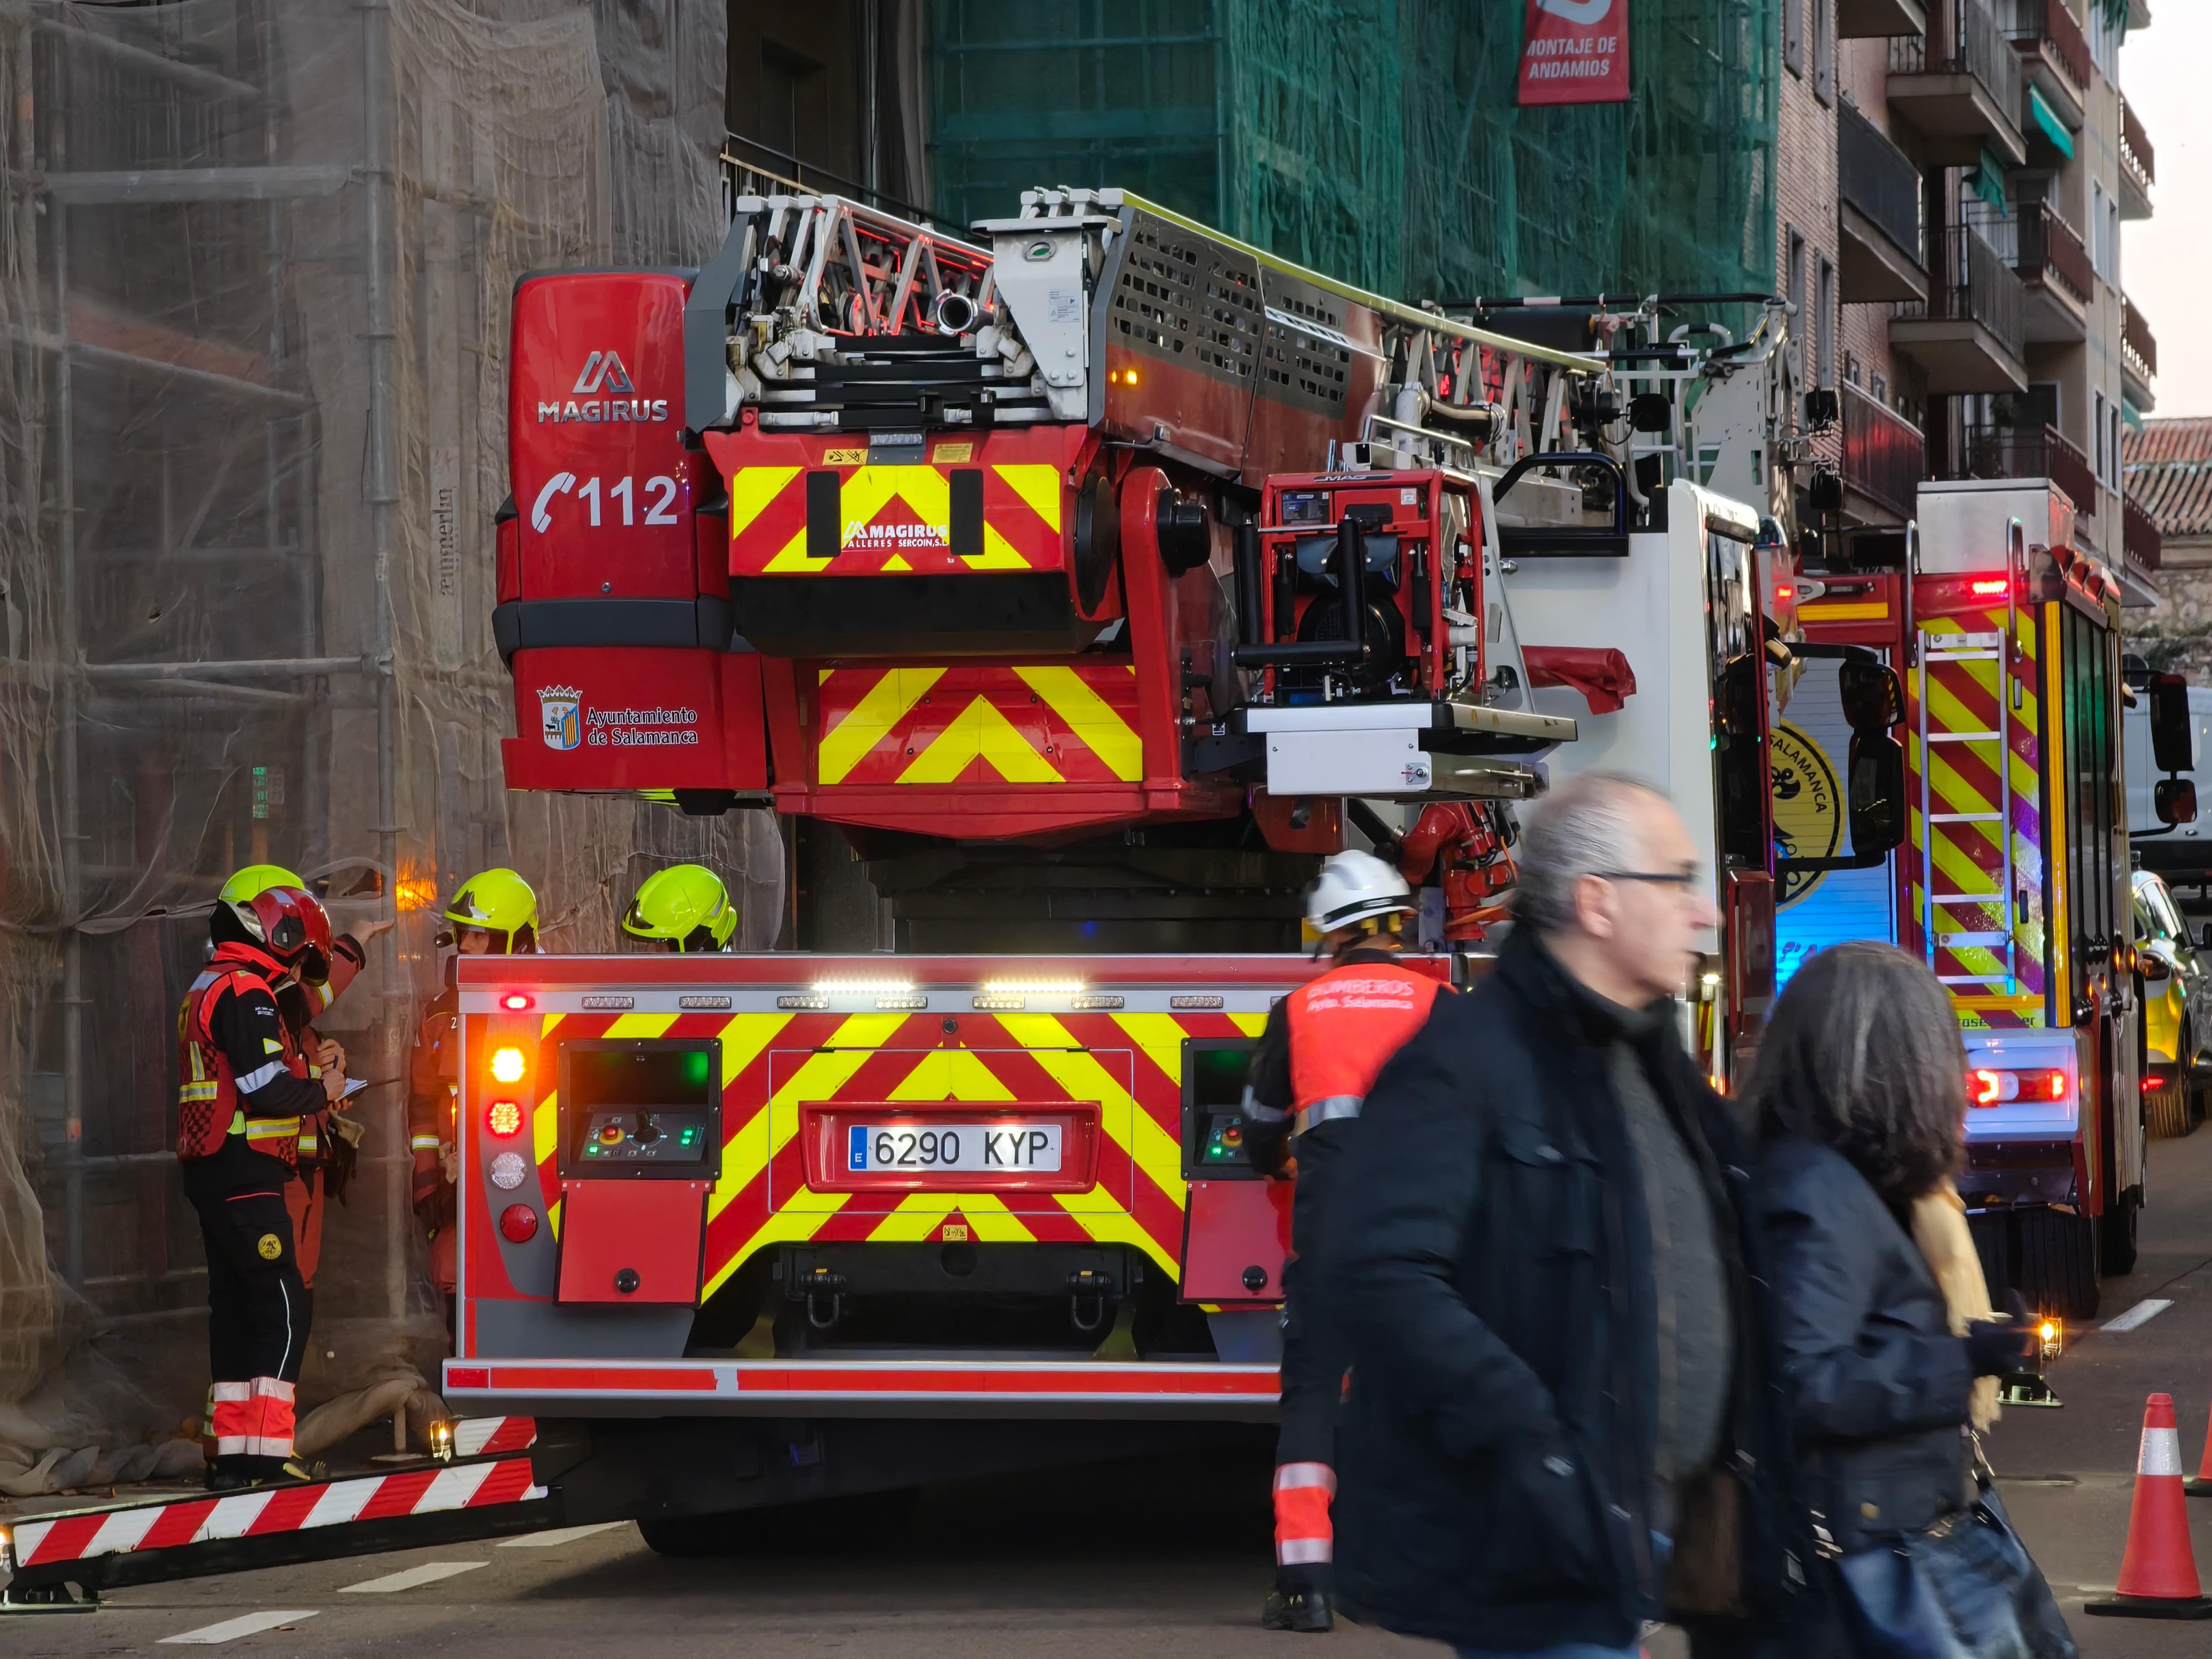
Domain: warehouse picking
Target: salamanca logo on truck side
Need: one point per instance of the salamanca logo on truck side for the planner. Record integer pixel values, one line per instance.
(602, 371)
(565, 723)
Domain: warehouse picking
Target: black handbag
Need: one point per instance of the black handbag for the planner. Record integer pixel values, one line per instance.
(1965, 1588)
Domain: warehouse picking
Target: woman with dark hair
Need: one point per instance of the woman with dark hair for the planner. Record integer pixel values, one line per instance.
(1884, 1322)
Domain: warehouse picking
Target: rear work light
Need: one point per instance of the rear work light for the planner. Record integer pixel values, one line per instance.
(507, 1064)
(1991, 1086)
(518, 1224)
(504, 1118)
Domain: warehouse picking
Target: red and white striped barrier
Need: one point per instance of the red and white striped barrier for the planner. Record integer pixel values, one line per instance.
(272, 1511)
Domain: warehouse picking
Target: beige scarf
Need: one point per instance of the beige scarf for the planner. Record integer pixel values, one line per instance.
(1938, 1228)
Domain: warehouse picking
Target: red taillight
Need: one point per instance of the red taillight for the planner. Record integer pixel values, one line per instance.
(1991, 589)
(1992, 1086)
(504, 1118)
(514, 1002)
(518, 1224)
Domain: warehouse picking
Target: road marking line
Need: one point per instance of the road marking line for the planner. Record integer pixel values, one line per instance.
(2142, 1314)
(429, 1573)
(558, 1537)
(230, 1630)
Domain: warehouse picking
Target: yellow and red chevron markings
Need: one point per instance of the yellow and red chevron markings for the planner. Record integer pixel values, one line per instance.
(895, 516)
(1967, 858)
(1127, 1066)
(1054, 723)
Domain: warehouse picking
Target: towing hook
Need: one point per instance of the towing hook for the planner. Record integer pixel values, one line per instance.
(1088, 1285)
(817, 1285)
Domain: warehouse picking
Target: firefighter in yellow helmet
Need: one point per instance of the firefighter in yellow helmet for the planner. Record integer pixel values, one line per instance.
(327, 1140)
(683, 908)
(494, 913)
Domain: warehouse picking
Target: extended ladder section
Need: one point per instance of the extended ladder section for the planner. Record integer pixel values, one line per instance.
(1940, 929)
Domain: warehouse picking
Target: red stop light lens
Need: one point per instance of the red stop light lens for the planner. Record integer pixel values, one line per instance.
(518, 1224)
(504, 1119)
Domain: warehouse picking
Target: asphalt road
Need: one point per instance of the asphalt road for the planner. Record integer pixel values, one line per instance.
(1129, 1559)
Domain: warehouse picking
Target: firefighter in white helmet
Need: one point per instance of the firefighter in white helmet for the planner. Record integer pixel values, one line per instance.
(1324, 1046)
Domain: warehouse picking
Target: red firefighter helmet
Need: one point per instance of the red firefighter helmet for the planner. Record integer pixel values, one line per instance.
(289, 922)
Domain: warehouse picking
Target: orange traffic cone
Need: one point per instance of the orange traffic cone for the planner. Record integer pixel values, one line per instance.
(2199, 1484)
(2158, 1575)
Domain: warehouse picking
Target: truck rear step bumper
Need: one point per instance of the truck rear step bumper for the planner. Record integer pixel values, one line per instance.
(853, 1387)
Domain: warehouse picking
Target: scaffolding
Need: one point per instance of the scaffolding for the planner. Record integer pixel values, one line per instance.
(255, 258)
(1378, 140)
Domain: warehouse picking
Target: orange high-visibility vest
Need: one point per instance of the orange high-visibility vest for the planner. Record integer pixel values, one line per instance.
(208, 1108)
(1344, 1026)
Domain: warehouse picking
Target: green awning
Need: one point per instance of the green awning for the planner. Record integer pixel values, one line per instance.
(2130, 416)
(2047, 119)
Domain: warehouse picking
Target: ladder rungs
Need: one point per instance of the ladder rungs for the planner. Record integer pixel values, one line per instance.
(1966, 737)
(1971, 941)
(1977, 979)
(1994, 896)
(1966, 817)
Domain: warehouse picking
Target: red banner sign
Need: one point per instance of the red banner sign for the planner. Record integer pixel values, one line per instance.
(1577, 52)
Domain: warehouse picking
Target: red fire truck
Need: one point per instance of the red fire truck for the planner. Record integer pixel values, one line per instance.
(2014, 881)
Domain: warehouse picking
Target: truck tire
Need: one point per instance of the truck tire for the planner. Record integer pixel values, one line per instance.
(2117, 1244)
(2056, 1266)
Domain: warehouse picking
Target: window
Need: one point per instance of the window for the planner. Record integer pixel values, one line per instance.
(2096, 437)
(1824, 322)
(2104, 233)
(1801, 329)
(2113, 447)
(1824, 50)
(2092, 767)
(1793, 35)
(790, 102)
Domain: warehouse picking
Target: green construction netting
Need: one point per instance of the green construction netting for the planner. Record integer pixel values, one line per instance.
(1377, 140)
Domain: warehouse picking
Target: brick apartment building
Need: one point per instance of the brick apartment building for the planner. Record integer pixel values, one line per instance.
(1952, 176)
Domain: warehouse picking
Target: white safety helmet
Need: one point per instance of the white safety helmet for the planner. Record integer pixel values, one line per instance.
(1353, 886)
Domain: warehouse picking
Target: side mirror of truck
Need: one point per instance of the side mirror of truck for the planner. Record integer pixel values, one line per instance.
(2174, 800)
(1877, 794)
(1872, 699)
(2172, 741)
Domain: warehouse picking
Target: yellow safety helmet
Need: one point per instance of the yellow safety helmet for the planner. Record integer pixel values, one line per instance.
(500, 903)
(686, 907)
(255, 880)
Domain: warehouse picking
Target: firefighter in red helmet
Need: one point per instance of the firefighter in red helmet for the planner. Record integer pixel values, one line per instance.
(1322, 1047)
(243, 1090)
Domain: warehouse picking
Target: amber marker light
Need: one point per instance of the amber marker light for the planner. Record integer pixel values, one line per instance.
(507, 1064)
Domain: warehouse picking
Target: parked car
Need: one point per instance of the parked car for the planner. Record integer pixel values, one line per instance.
(2176, 978)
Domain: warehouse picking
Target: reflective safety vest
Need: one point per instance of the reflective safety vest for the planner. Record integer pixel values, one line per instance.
(208, 1109)
(1344, 1026)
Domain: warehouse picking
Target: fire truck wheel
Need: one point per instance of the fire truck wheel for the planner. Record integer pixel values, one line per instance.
(2055, 1267)
(2119, 1239)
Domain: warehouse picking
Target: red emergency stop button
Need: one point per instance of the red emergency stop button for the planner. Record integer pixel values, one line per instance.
(518, 1224)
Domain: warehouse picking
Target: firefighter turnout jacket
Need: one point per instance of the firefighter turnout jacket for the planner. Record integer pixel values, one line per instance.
(244, 1087)
(325, 1158)
(433, 1094)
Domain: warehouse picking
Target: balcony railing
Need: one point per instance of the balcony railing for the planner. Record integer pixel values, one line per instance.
(2047, 26)
(2139, 534)
(1885, 457)
(1968, 42)
(2135, 145)
(1974, 285)
(2026, 451)
(2051, 253)
(1879, 180)
(2138, 346)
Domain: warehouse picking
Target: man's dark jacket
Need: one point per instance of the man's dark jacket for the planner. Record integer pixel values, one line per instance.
(1488, 1252)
